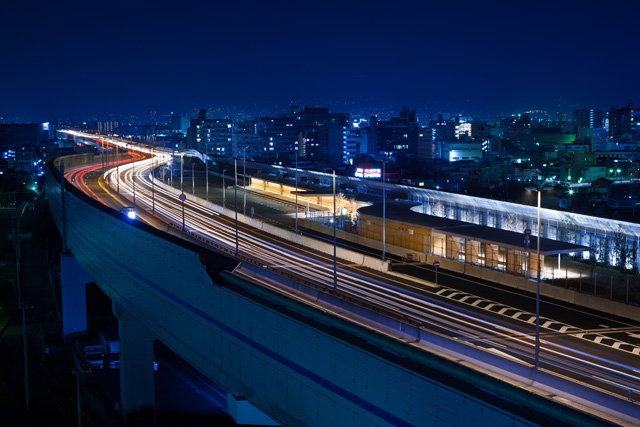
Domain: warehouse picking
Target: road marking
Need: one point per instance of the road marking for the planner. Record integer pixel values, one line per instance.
(503, 354)
(587, 335)
(615, 383)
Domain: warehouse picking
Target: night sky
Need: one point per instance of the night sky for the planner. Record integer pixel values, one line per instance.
(65, 59)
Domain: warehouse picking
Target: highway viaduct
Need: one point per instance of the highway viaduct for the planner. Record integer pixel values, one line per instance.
(282, 361)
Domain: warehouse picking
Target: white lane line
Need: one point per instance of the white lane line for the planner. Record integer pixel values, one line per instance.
(615, 383)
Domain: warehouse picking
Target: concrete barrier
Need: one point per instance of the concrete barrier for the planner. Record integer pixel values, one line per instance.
(309, 242)
(479, 272)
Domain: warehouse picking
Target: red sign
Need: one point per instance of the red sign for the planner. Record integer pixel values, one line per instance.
(436, 264)
(527, 231)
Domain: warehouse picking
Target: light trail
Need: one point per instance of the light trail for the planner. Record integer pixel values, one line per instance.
(564, 354)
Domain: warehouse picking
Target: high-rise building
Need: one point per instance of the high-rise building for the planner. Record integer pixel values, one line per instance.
(596, 138)
(351, 146)
(587, 119)
(107, 125)
(397, 135)
(178, 124)
(277, 135)
(244, 140)
(620, 121)
(426, 145)
(210, 136)
(314, 133)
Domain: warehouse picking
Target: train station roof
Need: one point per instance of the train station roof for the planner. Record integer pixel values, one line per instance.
(401, 211)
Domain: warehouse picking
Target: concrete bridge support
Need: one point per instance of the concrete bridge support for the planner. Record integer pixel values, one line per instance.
(74, 297)
(137, 387)
(243, 412)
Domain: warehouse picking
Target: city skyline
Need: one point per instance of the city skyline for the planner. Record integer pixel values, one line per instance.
(75, 59)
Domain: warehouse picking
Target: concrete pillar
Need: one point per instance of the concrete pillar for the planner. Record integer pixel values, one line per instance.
(243, 412)
(74, 297)
(137, 387)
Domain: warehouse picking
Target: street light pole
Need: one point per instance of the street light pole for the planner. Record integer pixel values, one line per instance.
(537, 357)
(384, 213)
(206, 171)
(133, 175)
(117, 170)
(181, 173)
(296, 194)
(153, 184)
(335, 269)
(235, 188)
(223, 190)
(244, 183)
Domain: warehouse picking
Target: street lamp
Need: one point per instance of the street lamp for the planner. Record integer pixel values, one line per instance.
(235, 190)
(133, 176)
(171, 167)
(539, 189)
(335, 269)
(206, 171)
(117, 170)
(296, 194)
(384, 213)
(183, 197)
(181, 172)
(223, 190)
(537, 358)
(244, 184)
(153, 184)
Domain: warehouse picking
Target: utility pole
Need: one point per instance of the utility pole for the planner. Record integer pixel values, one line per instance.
(21, 305)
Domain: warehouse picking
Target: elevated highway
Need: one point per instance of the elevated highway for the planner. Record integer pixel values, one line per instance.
(311, 361)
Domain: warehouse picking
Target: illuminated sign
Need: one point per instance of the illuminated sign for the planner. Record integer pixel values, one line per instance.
(368, 173)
